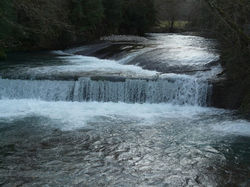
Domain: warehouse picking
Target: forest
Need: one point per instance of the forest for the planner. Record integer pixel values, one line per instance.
(51, 24)
(229, 22)
(34, 25)
(124, 93)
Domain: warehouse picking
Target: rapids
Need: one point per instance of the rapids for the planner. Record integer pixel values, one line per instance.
(125, 111)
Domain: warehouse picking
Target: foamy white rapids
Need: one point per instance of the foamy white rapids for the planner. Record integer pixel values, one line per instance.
(175, 89)
(84, 65)
(75, 115)
(129, 57)
(236, 127)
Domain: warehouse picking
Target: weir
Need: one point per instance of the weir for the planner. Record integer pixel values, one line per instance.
(175, 90)
(136, 121)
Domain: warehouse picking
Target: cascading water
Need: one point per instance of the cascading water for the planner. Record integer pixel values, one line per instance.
(183, 90)
(139, 120)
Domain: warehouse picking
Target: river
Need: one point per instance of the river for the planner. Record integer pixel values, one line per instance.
(124, 111)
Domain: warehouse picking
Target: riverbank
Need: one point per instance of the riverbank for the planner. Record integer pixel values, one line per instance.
(232, 88)
(233, 92)
(54, 24)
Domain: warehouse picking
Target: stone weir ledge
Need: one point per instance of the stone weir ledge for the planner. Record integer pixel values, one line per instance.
(97, 77)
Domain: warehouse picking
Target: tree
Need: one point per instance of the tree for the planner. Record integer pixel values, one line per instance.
(226, 19)
(138, 16)
(112, 14)
(235, 23)
(171, 11)
(7, 17)
(87, 15)
(49, 24)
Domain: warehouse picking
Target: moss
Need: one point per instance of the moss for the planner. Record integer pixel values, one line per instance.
(3, 55)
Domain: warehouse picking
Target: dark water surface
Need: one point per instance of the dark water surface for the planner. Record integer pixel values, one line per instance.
(79, 117)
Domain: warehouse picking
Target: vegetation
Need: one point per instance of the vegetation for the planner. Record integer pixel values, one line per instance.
(168, 26)
(7, 15)
(173, 14)
(48, 24)
(86, 16)
(138, 16)
(229, 21)
(113, 10)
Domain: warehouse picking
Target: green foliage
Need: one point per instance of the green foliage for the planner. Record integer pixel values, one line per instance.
(202, 18)
(227, 20)
(139, 16)
(87, 15)
(113, 14)
(42, 23)
(46, 24)
(7, 17)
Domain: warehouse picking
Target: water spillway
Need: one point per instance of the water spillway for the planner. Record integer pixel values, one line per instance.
(134, 118)
(157, 73)
(181, 90)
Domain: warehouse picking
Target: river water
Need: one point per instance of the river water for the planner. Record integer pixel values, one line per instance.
(125, 111)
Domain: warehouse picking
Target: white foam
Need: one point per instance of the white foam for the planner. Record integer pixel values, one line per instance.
(237, 127)
(180, 51)
(74, 115)
(92, 65)
(129, 57)
(59, 52)
(175, 89)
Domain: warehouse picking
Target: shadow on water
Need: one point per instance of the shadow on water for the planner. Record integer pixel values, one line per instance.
(118, 151)
(68, 133)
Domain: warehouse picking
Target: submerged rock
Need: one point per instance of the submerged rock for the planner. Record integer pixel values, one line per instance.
(226, 94)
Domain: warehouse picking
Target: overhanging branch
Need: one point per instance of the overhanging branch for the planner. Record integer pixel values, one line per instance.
(220, 13)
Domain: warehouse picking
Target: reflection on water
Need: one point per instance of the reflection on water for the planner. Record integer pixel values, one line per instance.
(49, 139)
(108, 144)
(161, 53)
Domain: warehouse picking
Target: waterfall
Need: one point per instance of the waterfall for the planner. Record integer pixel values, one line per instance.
(172, 90)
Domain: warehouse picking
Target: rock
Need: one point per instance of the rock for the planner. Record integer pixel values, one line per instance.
(110, 78)
(245, 107)
(3, 55)
(226, 94)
